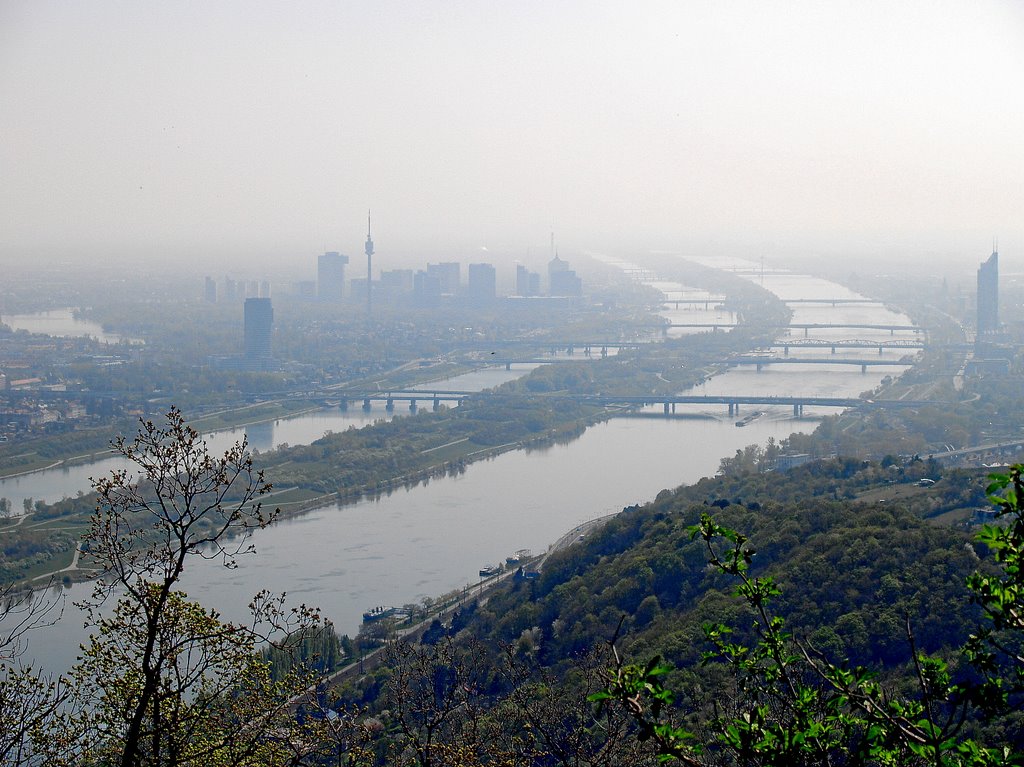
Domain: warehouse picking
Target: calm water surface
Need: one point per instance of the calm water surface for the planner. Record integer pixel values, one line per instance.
(63, 324)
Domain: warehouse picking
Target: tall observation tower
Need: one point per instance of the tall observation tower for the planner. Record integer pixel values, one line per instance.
(369, 267)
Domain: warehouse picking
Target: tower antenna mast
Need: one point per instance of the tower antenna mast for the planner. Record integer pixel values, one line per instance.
(369, 268)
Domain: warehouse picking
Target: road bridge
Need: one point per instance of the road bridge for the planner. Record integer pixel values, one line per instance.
(805, 326)
(705, 302)
(762, 361)
(733, 401)
(412, 396)
(555, 347)
(508, 363)
(719, 300)
(832, 301)
(821, 343)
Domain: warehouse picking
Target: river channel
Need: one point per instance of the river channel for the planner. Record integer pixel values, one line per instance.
(432, 538)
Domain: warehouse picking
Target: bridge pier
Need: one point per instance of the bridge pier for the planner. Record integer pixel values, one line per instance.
(833, 350)
(390, 405)
(604, 351)
(798, 410)
(879, 351)
(586, 351)
(807, 332)
(343, 405)
(734, 408)
(366, 404)
(508, 366)
(759, 366)
(666, 408)
(437, 404)
(785, 351)
(863, 368)
(412, 405)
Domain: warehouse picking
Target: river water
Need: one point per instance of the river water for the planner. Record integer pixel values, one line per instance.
(432, 538)
(63, 324)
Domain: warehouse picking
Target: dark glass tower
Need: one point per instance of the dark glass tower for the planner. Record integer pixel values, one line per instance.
(259, 321)
(988, 296)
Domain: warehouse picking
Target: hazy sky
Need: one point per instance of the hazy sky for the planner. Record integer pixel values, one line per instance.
(226, 130)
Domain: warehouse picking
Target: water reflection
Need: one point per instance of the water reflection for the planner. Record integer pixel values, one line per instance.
(63, 324)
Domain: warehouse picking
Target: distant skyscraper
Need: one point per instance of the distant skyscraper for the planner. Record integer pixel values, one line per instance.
(483, 282)
(449, 273)
(210, 291)
(527, 282)
(562, 281)
(259, 322)
(522, 280)
(426, 288)
(396, 283)
(988, 295)
(330, 276)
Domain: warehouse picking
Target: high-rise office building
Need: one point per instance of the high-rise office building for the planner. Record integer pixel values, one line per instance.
(988, 295)
(330, 276)
(395, 283)
(448, 274)
(426, 288)
(483, 282)
(259, 323)
(562, 281)
(527, 282)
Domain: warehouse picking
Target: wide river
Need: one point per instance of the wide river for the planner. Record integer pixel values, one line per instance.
(432, 538)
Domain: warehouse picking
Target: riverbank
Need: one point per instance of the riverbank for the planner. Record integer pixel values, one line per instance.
(376, 460)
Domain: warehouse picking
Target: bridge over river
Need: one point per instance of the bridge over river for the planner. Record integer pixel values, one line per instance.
(761, 361)
(669, 401)
(805, 326)
(716, 300)
(846, 343)
(733, 401)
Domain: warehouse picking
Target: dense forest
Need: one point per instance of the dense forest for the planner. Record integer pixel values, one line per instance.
(864, 583)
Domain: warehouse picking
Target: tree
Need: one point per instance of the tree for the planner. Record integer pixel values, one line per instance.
(434, 695)
(792, 706)
(170, 682)
(29, 698)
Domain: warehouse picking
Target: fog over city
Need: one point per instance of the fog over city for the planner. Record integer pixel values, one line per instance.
(230, 132)
(425, 382)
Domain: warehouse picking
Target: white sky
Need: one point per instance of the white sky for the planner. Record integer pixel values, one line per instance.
(227, 130)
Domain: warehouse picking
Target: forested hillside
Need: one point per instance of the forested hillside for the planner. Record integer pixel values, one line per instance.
(862, 583)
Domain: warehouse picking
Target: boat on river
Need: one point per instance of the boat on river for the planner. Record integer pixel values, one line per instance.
(375, 614)
(748, 418)
(518, 558)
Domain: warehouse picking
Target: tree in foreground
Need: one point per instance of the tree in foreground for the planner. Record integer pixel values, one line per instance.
(30, 699)
(794, 707)
(168, 681)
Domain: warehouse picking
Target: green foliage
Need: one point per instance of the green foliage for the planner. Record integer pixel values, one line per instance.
(789, 705)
